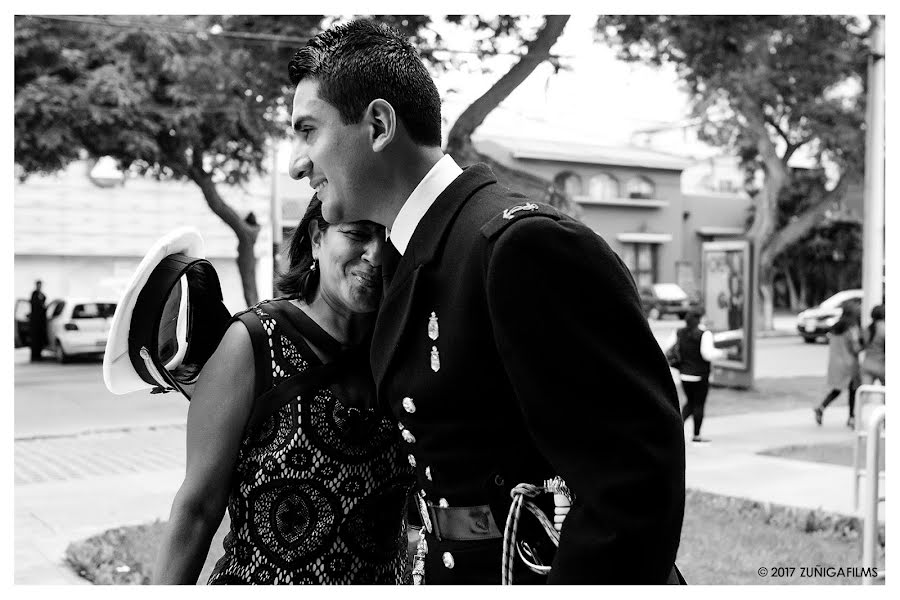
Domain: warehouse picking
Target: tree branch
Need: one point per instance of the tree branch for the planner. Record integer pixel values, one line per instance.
(803, 224)
(538, 50)
(459, 140)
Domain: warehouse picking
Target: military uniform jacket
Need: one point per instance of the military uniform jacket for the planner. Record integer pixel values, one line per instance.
(511, 346)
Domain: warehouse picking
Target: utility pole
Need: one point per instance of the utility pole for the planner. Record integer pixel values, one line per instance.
(873, 210)
(276, 218)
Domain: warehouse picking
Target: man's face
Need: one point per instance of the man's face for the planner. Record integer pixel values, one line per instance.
(335, 157)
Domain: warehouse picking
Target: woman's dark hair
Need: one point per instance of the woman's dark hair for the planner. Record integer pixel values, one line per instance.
(300, 279)
(692, 318)
(877, 315)
(849, 318)
(363, 60)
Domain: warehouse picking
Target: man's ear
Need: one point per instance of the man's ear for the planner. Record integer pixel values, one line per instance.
(382, 121)
(315, 235)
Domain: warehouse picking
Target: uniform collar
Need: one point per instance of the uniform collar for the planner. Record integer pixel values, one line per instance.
(432, 229)
(441, 175)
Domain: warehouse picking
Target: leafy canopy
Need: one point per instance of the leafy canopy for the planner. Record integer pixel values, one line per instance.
(802, 74)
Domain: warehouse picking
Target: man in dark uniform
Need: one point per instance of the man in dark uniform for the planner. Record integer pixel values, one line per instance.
(37, 322)
(510, 344)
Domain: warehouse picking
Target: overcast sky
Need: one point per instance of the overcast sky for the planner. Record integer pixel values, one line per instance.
(601, 99)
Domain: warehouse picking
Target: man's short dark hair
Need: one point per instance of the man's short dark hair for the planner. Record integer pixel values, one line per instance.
(360, 61)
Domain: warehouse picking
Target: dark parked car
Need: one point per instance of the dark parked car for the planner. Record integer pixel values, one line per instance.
(662, 299)
(23, 335)
(815, 322)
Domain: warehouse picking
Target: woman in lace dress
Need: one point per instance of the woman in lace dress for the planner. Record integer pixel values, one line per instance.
(283, 429)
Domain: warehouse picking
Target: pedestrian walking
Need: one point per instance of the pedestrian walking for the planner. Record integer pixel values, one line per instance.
(843, 362)
(37, 322)
(872, 366)
(695, 350)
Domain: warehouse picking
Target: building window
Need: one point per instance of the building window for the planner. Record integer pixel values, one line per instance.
(641, 261)
(639, 188)
(570, 183)
(604, 187)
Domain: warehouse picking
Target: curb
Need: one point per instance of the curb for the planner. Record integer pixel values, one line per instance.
(776, 333)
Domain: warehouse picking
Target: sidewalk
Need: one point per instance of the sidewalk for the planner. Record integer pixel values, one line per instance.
(66, 506)
(730, 465)
(69, 489)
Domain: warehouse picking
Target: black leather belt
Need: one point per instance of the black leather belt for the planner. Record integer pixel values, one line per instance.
(463, 523)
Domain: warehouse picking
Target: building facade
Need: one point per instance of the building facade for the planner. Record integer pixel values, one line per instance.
(633, 197)
(84, 239)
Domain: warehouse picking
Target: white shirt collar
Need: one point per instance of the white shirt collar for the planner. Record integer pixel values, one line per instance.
(432, 185)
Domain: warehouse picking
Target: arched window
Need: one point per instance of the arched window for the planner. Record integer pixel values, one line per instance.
(639, 188)
(604, 187)
(570, 183)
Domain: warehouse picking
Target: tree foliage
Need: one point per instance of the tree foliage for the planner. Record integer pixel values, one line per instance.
(199, 98)
(766, 87)
(168, 96)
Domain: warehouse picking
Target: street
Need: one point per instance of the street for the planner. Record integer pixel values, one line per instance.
(86, 460)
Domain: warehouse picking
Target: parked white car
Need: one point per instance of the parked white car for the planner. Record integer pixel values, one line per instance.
(817, 321)
(78, 326)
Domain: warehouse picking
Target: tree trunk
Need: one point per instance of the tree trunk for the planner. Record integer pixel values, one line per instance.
(803, 281)
(793, 300)
(246, 233)
(459, 140)
(766, 292)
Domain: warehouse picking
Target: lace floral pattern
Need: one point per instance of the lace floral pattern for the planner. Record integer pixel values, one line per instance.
(320, 491)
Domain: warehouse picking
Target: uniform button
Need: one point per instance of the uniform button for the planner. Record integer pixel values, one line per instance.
(443, 503)
(448, 560)
(408, 405)
(400, 426)
(412, 461)
(409, 437)
(428, 473)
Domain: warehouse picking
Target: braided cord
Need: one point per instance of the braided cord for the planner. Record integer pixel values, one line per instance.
(520, 495)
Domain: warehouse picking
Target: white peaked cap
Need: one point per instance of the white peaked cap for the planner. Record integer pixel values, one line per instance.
(118, 372)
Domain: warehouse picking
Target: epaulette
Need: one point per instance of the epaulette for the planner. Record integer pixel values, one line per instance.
(515, 213)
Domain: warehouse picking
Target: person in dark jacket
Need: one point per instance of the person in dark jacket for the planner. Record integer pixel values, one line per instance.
(493, 347)
(37, 322)
(872, 367)
(843, 362)
(696, 350)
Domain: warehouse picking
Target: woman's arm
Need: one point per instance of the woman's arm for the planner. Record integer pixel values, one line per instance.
(216, 419)
(708, 349)
(670, 341)
(853, 336)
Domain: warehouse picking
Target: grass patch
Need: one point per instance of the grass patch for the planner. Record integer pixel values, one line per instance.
(832, 454)
(768, 394)
(127, 555)
(724, 541)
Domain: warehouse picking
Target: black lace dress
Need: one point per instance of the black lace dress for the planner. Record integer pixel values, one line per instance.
(319, 493)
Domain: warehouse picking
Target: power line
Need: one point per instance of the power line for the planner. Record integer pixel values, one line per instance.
(147, 26)
(246, 36)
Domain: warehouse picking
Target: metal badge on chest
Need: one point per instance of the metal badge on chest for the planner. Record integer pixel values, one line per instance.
(433, 333)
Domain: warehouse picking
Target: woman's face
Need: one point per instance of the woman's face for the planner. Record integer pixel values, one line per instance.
(349, 257)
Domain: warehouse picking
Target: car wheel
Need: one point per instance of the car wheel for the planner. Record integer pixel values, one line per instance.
(60, 354)
(653, 313)
(809, 340)
(682, 315)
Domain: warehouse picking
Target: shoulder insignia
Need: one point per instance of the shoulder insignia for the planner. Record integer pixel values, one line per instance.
(516, 213)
